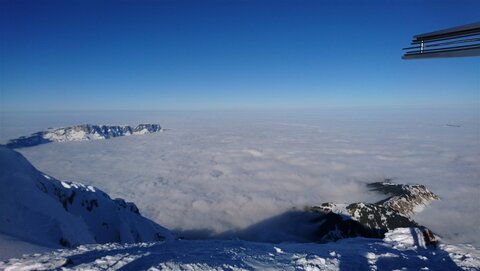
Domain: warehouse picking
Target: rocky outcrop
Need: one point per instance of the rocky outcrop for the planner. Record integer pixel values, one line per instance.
(81, 133)
(405, 199)
(330, 222)
(337, 221)
(43, 210)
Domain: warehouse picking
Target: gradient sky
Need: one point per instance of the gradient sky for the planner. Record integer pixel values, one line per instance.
(168, 55)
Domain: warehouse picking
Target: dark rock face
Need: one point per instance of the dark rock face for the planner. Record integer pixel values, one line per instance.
(372, 220)
(81, 133)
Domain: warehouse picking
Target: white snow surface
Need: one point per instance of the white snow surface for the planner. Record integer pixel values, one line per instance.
(399, 251)
(212, 172)
(11, 247)
(42, 210)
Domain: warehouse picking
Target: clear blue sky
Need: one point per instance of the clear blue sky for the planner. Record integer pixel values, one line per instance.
(90, 55)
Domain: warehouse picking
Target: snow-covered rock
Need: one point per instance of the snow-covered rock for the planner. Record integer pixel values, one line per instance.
(337, 221)
(406, 199)
(81, 133)
(40, 209)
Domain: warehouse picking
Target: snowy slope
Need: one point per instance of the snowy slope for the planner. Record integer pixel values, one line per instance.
(11, 247)
(400, 250)
(81, 133)
(45, 211)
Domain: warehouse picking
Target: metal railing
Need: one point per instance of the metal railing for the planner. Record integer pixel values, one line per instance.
(459, 41)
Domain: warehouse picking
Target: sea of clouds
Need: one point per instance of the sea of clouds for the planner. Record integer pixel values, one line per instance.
(214, 172)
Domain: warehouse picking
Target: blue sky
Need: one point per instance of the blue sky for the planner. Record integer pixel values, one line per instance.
(190, 55)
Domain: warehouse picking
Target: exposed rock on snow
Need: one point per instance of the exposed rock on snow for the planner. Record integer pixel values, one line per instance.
(373, 220)
(43, 210)
(330, 222)
(405, 199)
(83, 132)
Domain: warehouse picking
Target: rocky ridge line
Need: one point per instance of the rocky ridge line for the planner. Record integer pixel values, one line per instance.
(82, 132)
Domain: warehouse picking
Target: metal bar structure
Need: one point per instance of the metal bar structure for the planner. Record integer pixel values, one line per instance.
(460, 41)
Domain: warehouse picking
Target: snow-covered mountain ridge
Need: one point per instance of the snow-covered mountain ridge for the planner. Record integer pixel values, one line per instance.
(373, 220)
(82, 132)
(40, 209)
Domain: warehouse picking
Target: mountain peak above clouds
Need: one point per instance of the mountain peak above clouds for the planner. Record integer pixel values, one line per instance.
(83, 132)
(337, 221)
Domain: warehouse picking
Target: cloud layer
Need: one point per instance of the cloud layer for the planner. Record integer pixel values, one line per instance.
(215, 172)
